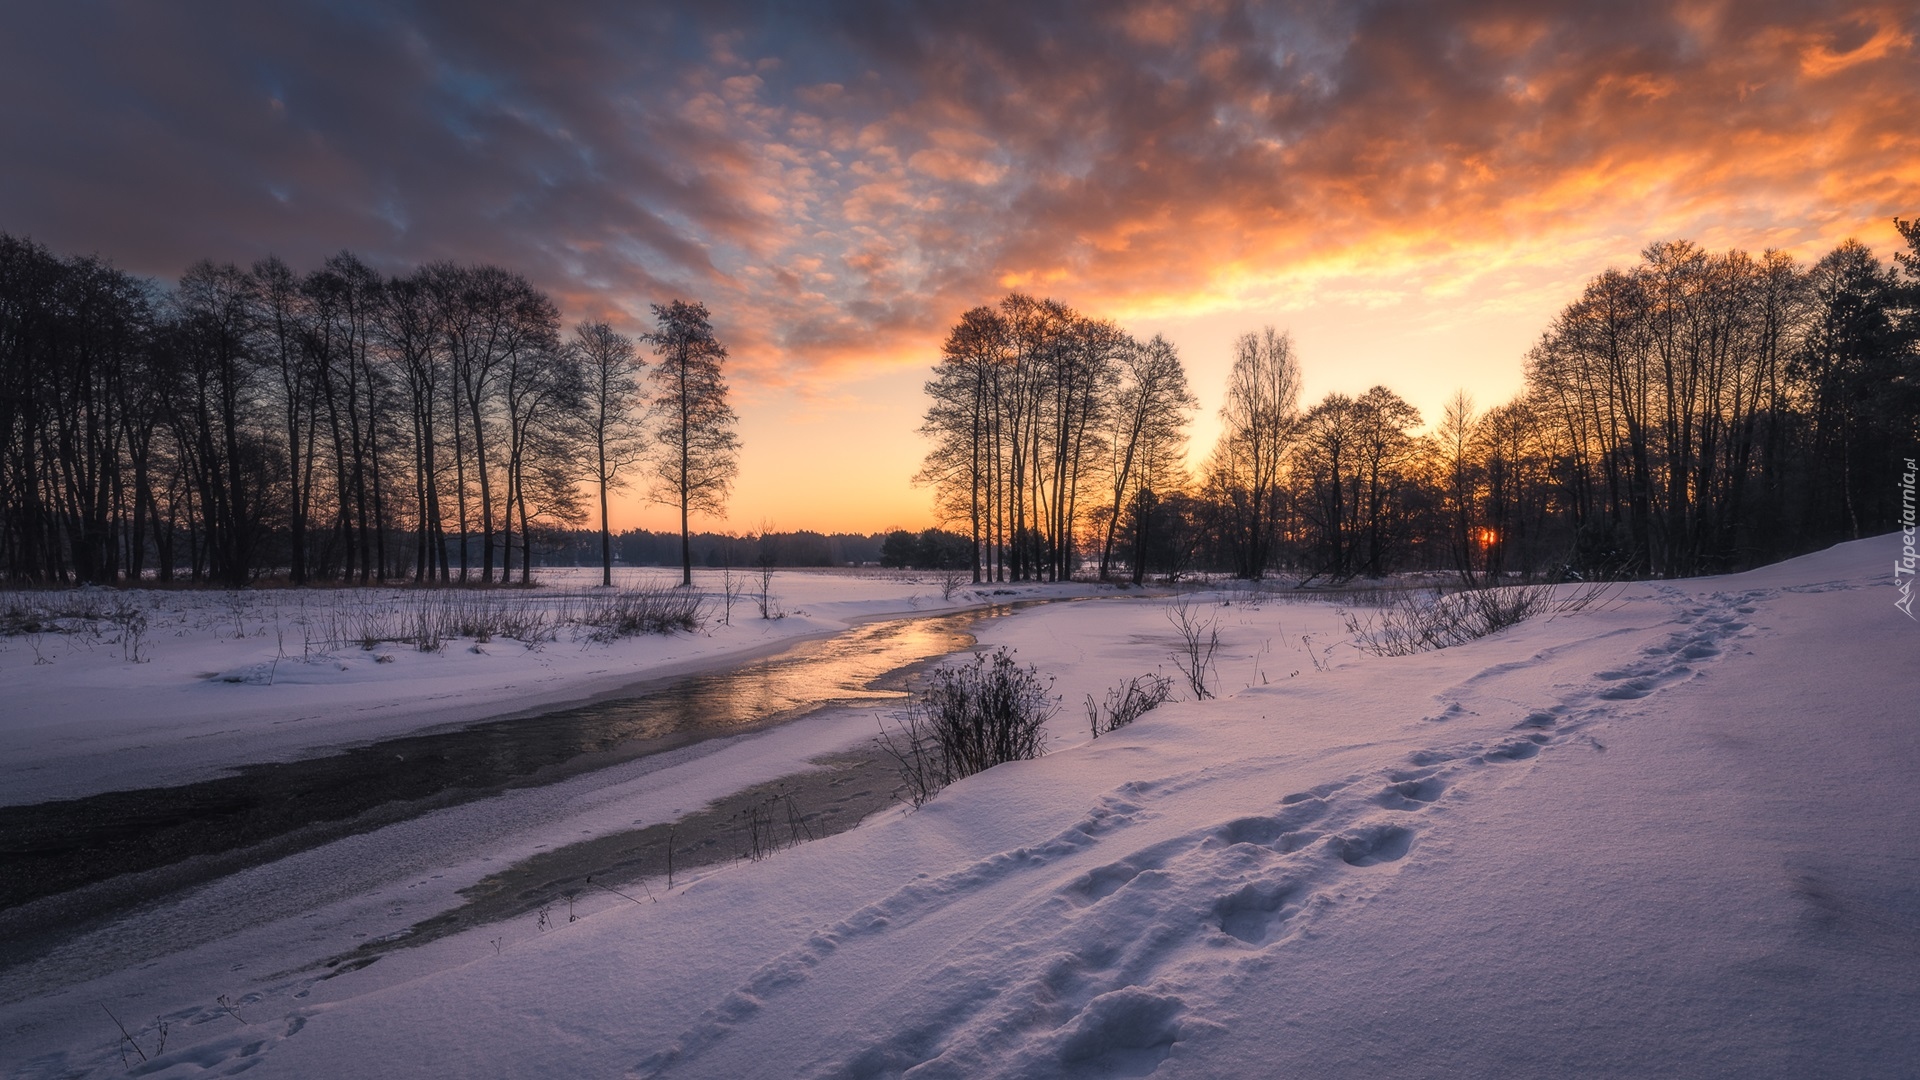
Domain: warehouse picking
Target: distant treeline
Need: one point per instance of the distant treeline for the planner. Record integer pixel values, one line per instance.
(639, 547)
(929, 549)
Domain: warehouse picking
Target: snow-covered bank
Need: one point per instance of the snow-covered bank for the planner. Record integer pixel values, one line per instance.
(1670, 836)
(232, 678)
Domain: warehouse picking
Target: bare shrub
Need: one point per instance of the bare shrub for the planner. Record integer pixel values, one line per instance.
(1128, 702)
(729, 593)
(1199, 639)
(132, 622)
(950, 581)
(631, 612)
(85, 611)
(967, 719)
(1418, 622)
(913, 749)
(426, 634)
(20, 613)
(1319, 656)
(768, 603)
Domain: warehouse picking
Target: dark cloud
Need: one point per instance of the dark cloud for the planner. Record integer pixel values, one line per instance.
(838, 180)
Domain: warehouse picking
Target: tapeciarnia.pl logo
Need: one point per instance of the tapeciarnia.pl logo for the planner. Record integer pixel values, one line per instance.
(1903, 567)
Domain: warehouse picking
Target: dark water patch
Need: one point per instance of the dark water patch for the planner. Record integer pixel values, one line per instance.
(67, 861)
(755, 822)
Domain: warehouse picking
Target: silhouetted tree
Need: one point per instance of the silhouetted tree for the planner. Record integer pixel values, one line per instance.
(964, 422)
(1147, 437)
(1260, 416)
(226, 459)
(696, 450)
(611, 370)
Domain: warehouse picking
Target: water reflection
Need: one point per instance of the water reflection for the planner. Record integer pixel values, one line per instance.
(54, 847)
(851, 667)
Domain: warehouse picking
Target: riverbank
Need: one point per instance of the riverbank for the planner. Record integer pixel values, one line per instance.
(224, 679)
(73, 860)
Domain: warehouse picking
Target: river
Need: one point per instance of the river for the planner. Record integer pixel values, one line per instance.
(70, 864)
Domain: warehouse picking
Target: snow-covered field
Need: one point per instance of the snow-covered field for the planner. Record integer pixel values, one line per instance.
(1670, 835)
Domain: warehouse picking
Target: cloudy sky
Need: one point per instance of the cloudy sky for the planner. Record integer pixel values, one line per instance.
(1412, 188)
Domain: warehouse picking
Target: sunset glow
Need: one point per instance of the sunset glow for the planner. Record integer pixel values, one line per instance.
(1412, 189)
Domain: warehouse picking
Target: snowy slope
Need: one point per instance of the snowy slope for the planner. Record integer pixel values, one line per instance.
(1672, 836)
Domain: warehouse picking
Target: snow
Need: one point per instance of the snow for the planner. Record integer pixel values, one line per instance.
(1671, 834)
(229, 678)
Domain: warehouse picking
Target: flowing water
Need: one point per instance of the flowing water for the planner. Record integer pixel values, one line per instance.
(79, 859)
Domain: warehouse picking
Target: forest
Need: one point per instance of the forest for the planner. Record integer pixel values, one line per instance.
(1694, 412)
(339, 425)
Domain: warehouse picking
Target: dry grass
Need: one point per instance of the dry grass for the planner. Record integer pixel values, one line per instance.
(1417, 622)
(1128, 702)
(322, 620)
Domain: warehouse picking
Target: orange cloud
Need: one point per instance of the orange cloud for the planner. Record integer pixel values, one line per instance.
(838, 183)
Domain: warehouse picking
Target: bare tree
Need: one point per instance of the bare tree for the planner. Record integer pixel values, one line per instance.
(213, 317)
(1148, 433)
(410, 326)
(1386, 452)
(612, 370)
(343, 298)
(765, 558)
(1453, 445)
(962, 421)
(1327, 476)
(1261, 414)
(280, 314)
(696, 450)
(543, 392)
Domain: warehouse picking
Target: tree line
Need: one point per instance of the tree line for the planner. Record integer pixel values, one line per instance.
(928, 549)
(337, 425)
(1692, 413)
(721, 550)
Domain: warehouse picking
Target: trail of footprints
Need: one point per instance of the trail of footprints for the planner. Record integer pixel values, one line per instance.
(1090, 974)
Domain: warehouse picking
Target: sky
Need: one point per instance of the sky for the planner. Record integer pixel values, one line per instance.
(1412, 189)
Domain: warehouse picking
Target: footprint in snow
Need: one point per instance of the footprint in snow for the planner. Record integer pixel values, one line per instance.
(1515, 749)
(1373, 844)
(1127, 1032)
(1249, 913)
(1411, 793)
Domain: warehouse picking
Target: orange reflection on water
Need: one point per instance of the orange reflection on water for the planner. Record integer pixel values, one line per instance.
(862, 665)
